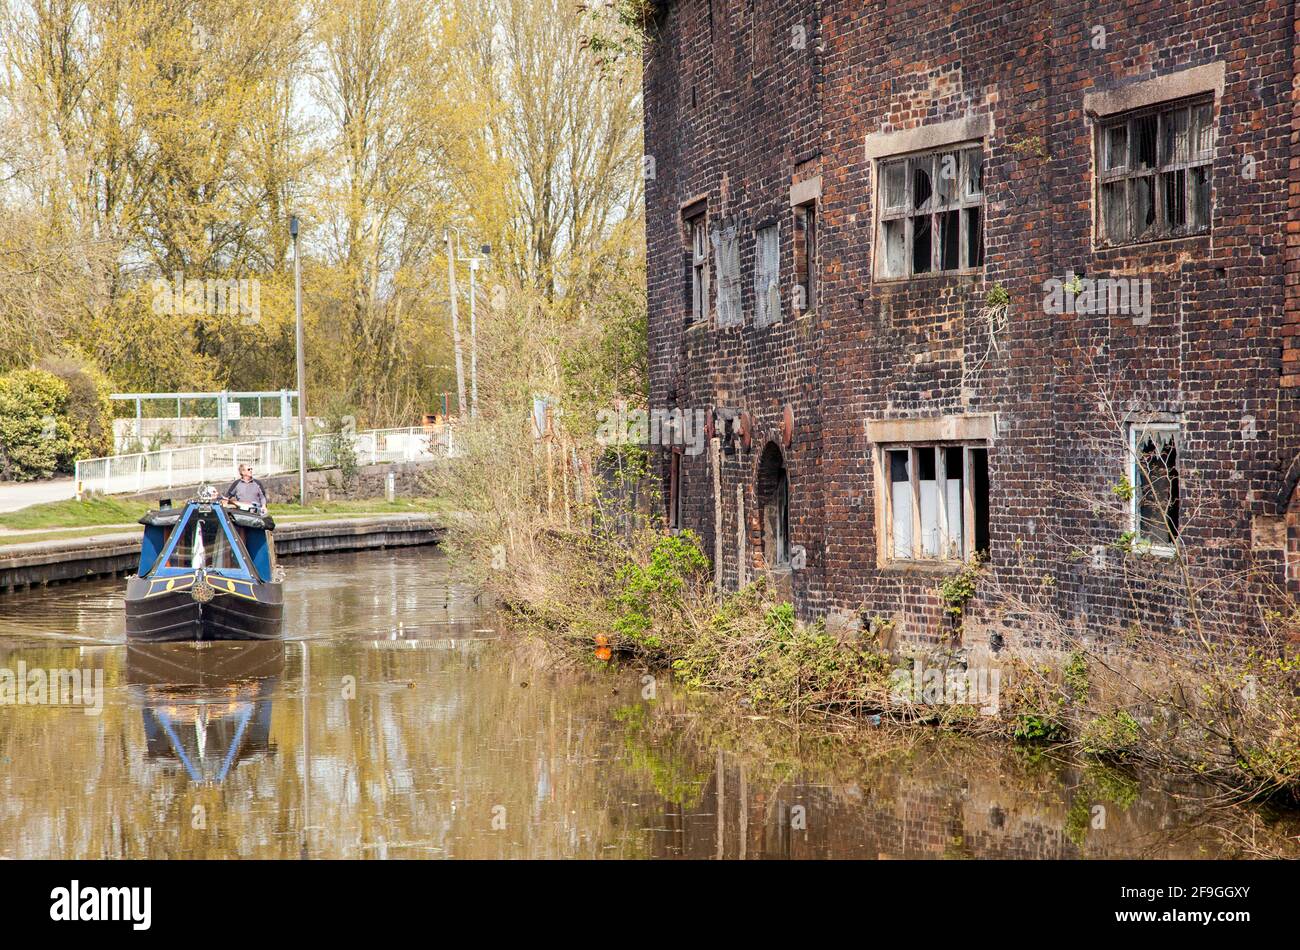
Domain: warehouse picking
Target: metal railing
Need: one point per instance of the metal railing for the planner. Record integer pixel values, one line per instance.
(197, 464)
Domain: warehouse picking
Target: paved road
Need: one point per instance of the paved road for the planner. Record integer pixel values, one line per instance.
(15, 495)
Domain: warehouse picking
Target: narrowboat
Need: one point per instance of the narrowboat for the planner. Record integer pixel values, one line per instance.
(207, 572)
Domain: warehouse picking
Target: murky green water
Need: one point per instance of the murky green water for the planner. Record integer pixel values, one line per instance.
(395, 722)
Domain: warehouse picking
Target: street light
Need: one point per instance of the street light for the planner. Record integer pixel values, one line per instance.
(452, 257)
(302, 372)
(485, 250)
(455, 324)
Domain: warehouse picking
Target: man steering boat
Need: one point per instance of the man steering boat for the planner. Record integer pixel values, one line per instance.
(246, 491)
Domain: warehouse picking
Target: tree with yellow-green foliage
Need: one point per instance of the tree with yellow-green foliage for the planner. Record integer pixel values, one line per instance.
(157, 140)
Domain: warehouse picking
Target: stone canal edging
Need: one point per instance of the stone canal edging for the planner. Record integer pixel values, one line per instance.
(109, 555)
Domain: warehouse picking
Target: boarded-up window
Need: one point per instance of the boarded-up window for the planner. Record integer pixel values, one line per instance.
(767, 280)
(1154, 173)
(726, 254)
(936, 502)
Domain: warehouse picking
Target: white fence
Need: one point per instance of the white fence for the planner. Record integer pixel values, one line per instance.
(218, 461)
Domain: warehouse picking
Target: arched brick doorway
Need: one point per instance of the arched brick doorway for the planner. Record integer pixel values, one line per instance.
(772, 494)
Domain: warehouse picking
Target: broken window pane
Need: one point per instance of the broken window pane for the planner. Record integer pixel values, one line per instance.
(1115, 147)
(922, 252)
(1174, 186)
(900, 498)
(1157, 479)
(974, 172)
(1142, 213)
(922, 187)
(935, 501)
(895, 247)
(894, 188)
(1203, 129)
(950, 240)
(1174, 144)
(1143, 142)
(948, 175)
(1113, 211)
(974, 237)
(1200, 197)
(979, 467)
(1149, 192)
(938, 235)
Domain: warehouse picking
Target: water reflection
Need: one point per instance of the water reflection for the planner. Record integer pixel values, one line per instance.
(396, 723)
(206, 706)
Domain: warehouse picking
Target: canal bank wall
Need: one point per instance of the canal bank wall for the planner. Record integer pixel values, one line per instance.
(118, 552)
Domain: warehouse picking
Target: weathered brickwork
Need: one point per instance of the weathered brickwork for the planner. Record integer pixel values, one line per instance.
(747, 98)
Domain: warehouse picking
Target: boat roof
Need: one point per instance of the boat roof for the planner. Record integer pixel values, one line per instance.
(170, 517)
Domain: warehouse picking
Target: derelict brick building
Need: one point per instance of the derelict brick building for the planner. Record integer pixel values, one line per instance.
(1007, 277)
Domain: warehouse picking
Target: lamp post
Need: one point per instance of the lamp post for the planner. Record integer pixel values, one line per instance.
(302, 363)
(455, 326)
(485, 250)
(453, 255)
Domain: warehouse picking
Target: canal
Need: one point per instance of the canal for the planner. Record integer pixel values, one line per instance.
(398, 720)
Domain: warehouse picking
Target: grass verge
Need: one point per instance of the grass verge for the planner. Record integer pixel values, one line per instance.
(95, 510)
(98, 515)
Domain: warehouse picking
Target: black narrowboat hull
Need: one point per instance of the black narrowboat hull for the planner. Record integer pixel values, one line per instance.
(176, 616)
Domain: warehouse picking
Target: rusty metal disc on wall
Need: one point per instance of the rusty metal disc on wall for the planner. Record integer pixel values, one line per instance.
(787, 425)
(746, 430)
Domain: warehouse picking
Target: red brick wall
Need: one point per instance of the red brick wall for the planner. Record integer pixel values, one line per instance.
(737, 113)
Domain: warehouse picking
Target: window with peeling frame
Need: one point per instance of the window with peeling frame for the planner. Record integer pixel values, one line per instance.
(931, 213)
(698, 263)
(1154, 173)
(1156, 508)
(936, 501)
(805, 258)
(675, 489)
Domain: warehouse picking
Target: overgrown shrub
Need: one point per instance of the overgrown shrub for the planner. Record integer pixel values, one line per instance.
(36, 438)
(1111, 736)
(88, 409)
(652, 598)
